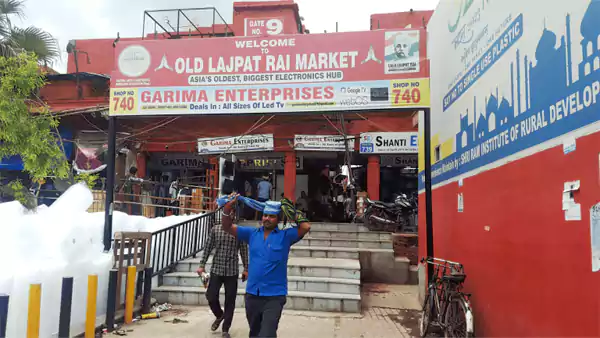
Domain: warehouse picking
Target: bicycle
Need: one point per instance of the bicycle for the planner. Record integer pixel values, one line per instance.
(445, 305)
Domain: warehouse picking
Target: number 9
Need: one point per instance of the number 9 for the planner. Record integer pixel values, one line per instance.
(274, 27)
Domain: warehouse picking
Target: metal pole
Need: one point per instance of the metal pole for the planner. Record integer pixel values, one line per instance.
(130, 293)
(77, 84)
(213, 23)
(178, 16)
(348, 159)
(147, 289)
(91, 305)
(110, 182)
(66, 300)
(428, 194)
(3, 314)
(111, 303)
(144, 26)
(139, 284)
(33, 310)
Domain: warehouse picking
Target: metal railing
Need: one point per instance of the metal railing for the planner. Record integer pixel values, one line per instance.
(181, 241)
(143, 205)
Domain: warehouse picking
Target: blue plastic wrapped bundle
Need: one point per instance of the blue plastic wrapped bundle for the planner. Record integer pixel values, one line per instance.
(268, 208)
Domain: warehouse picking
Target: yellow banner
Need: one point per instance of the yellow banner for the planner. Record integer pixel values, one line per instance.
(123, 101)
(410, 93)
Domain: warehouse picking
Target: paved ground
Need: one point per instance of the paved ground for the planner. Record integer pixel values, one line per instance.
(388, 311)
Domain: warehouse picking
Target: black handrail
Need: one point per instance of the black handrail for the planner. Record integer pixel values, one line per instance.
(181, 241)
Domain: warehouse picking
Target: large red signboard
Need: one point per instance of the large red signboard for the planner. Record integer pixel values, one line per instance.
(340, 71)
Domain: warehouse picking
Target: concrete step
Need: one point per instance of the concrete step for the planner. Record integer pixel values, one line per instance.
(354, 235)
(350, 227)
(296, 300)
(332, 252)
(320, 226)
(341, 231)
(328, 252)
(309, 240)
(295, 283)
(297, 266)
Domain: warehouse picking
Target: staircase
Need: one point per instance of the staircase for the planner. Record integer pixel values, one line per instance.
(325, 270)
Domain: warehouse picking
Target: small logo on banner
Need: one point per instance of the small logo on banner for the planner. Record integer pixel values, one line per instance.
(367, 148)
(134, 61)
(163, 64)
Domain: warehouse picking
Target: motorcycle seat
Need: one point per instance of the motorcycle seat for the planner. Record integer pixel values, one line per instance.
(383, 204)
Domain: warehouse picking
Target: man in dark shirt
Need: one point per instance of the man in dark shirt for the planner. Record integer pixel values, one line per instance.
(224, 270)
(269, 247)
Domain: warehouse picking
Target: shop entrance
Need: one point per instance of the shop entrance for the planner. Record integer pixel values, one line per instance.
(256, 177)
(398, 176)
(177, 185)
(320, 185)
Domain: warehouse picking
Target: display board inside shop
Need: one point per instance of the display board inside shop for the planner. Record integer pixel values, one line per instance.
(379, 69)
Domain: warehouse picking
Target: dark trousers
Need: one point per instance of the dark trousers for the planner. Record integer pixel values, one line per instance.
(212, 295)
(263, 314)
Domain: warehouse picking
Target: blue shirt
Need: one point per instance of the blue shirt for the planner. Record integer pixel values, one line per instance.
(264, 190)
(267, 266)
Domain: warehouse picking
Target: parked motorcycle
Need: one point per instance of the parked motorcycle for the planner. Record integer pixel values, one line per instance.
(399, 216)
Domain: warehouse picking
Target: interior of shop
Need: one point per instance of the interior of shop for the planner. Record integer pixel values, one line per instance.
(176, 184)
(399, 175)
(320, 184)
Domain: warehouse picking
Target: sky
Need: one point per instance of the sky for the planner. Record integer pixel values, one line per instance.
(89, 19)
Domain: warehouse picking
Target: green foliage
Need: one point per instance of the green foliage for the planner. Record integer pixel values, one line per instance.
(37, 41)
(14, 40)
(89, 179)
(31, 136)
(19, 192)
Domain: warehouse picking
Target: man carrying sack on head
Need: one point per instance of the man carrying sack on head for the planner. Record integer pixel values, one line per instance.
(269, 248)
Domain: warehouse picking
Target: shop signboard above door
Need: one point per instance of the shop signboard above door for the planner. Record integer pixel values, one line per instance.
(177, 161)
(236, 144)
(381, 69)
(268, 163)
(405, 160)
(389, 143)
(322, 143)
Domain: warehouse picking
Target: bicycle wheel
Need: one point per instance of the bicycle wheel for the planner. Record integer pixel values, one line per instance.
(427, 313)
(458, 318)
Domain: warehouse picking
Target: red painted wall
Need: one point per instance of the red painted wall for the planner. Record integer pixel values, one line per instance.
(531, 272)
(67, 90)
(417, 19)
(101, 56)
